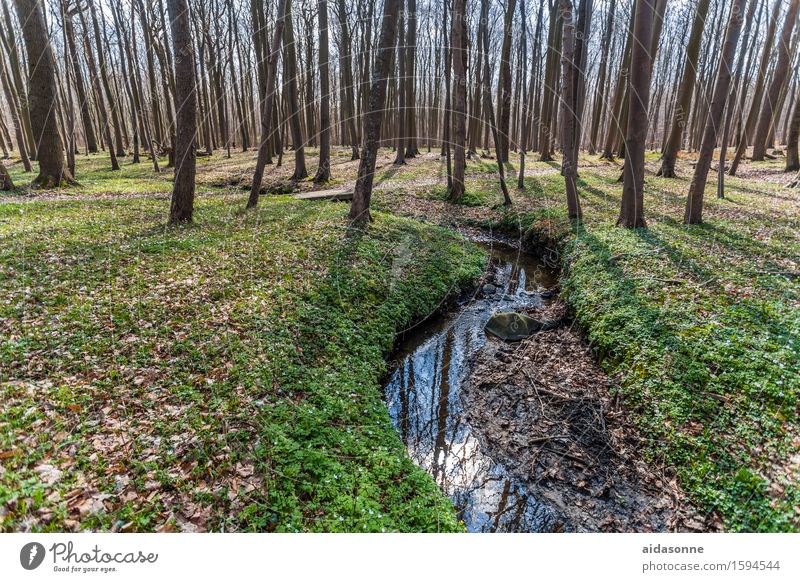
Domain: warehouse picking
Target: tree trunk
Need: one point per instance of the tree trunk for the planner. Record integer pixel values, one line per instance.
(42, 96)
(13, 105)
(569, 111)
(324, 170)
(504, 84)
(5, 179)
(345, 59)
(600, 95)
(792, 157)
(631, 213)
(458, 43)
(770, 109)
(293, 97)
(359, 208)
(694, 203)
(182, 205)
(268, 126)
(761, 79)
(487, 98)
(685, 92)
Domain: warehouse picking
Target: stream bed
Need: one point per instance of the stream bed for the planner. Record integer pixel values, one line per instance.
(424, 396)
(525, 436)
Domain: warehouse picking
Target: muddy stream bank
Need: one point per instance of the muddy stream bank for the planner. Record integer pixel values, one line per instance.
(524, 436)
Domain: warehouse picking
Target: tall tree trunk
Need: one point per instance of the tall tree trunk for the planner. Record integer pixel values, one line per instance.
(98, 95)
(402, 116)
(600, 95)
(458, 43)
(324, 170)
(359, 208)
(487, 98)
(13, 105)
(268, 124)
(411, 82)
(504, 84)
(761, 79)
(182, 206)
(770, 108)
(80, 85)
(569, 111)
(345, 63)
(293, 97)
(694, 202)
(42, 96)
(110, 96)
(631, 213)
(685, 92)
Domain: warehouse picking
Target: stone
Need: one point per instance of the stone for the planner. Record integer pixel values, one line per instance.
(512, 326)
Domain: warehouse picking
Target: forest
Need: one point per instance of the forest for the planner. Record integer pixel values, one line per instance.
(399, 266)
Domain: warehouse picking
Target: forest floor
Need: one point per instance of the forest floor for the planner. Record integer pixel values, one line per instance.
(225, 375)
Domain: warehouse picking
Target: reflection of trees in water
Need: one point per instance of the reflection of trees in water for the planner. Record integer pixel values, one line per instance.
(423, 397)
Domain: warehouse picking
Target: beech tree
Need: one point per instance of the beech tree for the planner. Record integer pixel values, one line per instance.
(769, 109)
(182, 205)
(459, 98)
(359, 208)
(324, 170)
(694, 203)
(43, 96)
(631, 213)
(685, 91)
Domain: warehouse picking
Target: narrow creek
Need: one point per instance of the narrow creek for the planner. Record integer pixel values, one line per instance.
(526, 436)
(424, 395)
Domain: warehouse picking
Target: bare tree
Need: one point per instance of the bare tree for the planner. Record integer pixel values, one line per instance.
(770, 107)
(569, 111)
(267, 125)
(459, 33)
(631, 213)
(685, 92)
(324, 170)
(694, 202)
(43, 96)
(182, 205)
(359, 208)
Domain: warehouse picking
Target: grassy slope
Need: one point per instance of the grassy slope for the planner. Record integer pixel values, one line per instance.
(703, 340)
(219, 376)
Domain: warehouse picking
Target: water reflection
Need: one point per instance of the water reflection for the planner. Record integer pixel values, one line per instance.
(423, 395)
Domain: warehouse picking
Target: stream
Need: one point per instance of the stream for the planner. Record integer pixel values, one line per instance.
(431, 365)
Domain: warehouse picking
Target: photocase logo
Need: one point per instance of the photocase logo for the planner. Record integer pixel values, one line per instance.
(31, 555)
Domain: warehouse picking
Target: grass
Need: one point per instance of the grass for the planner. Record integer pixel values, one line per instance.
(226, 375)
(699, 324)
(221, 376)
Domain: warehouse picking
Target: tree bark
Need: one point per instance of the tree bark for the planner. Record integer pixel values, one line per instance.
(631, 213)
(694, 202)
(5, 179)
(459, 98)
(504, 84)
(293, 97)
(267, 125)
(769, 109)
(569, 111)
(42, 96)
(324, 170)
(685, 92)
(182, 206)
(359, 208)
